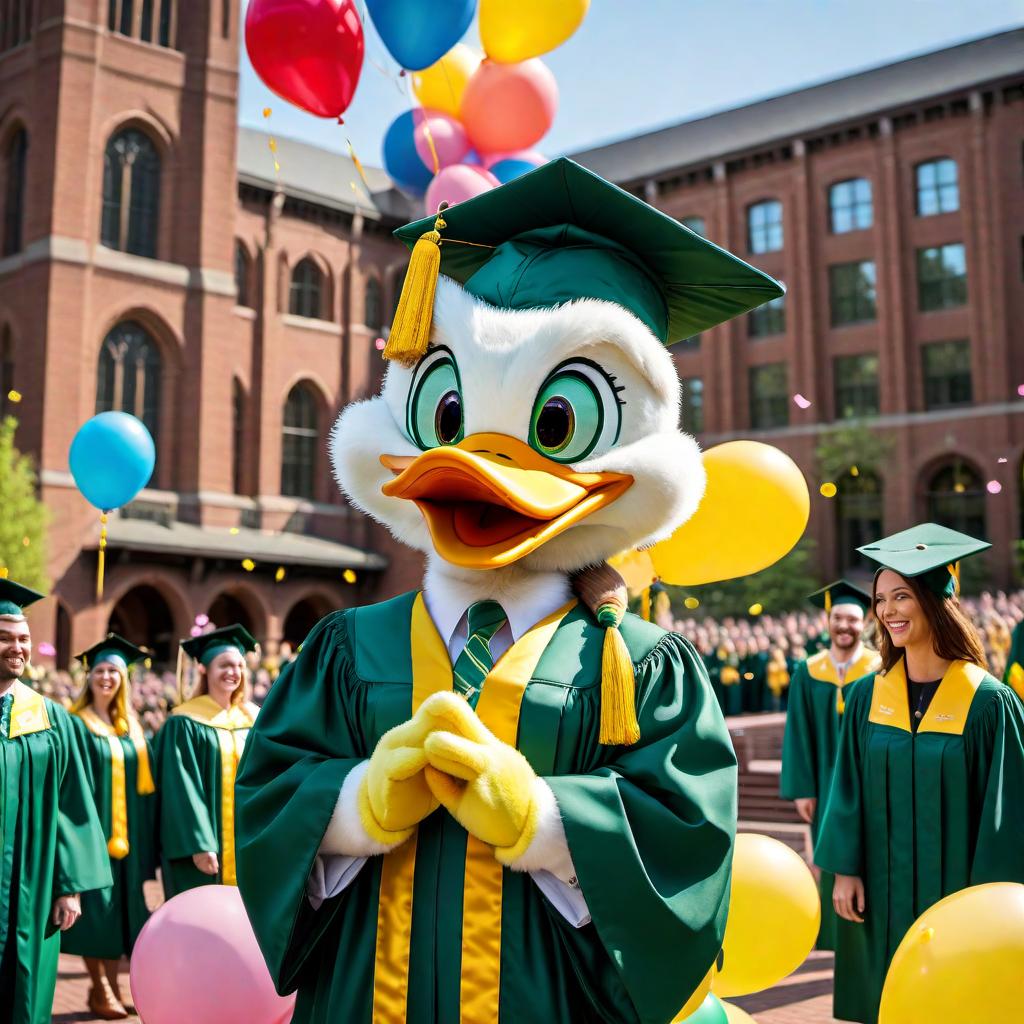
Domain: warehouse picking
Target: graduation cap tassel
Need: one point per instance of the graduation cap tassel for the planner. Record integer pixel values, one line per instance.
(410, 330)
(102, 557)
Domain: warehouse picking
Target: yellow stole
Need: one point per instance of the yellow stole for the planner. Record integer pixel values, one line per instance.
(28, 711)
(232, 725)
(948, 710)
(820, 666)
(1015, 678)
(498, 708)
(117, 844)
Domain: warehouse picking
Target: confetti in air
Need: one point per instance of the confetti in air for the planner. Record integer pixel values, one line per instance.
(46, 649)
(755, 609)
(828, 489)
(280, 574)
(994, 486)
(248, 564)
(691, 603)
(14, 396)
(1020, 390)
(854, 471)
(233, 531)
(348, 576)
(801, 402)
(202, 619)
(1001, 460)
(380, 344)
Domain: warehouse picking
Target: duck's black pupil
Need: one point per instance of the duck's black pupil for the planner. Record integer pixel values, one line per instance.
(448, 418)
(555, 423)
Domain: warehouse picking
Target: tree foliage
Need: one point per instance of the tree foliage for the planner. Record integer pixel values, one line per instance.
(23, 519)
(853, 444)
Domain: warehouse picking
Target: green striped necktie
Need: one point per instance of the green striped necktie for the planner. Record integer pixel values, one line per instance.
(475, 661)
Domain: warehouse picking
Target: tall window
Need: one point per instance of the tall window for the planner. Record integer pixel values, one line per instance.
(692, 408)
(764, 226)
(947, 374)
(849, 205)
(154, 19)
(767, 319)
(15, 23)
(956, 498)
(696, 225)
(6, 367)
(306, 295)
(242, 276)
(937, 188)
(852, 292)
(769, 398)
(299, 441)
(941, 277)
(858, 516)
(237, 436)
(129, 374)
(15, 166)
(856, 386)
(372, 315)
(131, 194)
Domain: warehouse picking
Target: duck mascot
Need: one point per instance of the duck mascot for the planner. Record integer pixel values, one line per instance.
(492, 801)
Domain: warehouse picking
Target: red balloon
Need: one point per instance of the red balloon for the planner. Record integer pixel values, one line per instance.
(508, 106)
(309, 52)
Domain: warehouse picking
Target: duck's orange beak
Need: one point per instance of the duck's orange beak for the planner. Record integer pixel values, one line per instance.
(491, 499)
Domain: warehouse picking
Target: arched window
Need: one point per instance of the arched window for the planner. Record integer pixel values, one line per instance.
(372, 316)
(131, 193)
(306, 296)
(858, 517)
(237, 436)
(15, 164)
(956, 498)
(129, 374)
(6, 367)
(299, 442)
(242, 275)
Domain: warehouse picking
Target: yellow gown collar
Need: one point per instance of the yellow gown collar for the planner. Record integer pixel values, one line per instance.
(948, 710)
(205, 710)
(820, 666)
(28, 711)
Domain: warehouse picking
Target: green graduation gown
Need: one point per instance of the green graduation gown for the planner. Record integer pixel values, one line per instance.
(197, 754)
(52, 845)
(112, 918)
(1014, 674)
(919, 816)
(650, 829)
(809, 750)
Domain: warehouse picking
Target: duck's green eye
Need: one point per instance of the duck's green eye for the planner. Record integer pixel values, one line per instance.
(576, 410)
(434, 414)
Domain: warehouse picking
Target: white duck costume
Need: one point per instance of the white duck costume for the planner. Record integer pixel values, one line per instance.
(485, 802)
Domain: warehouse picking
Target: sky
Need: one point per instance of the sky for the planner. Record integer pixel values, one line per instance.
(635, 65)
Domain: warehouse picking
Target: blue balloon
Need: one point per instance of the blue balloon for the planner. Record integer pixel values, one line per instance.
(112, 458)
(506, 170)
(401, 161)
(419, 33)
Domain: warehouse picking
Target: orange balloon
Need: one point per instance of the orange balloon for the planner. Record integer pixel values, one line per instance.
(507, 107)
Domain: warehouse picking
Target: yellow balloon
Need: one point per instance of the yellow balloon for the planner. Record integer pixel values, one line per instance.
(515, 30)
(960, 963)
(635, 568)
(735, 1015)
(774, 915)
(698, 997)
(754, 510)
(440, 87)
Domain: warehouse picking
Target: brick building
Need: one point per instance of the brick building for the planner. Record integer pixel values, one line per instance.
(153, 261)
(891, 203)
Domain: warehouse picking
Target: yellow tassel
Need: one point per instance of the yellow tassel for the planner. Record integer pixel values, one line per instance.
(410, 330)
(828, 601)
(619, 725)
(102, 557)
(179, 673)
(840, 703)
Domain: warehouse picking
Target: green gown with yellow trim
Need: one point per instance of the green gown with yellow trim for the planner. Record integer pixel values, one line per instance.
(650, 829)
(919, 816)
(190, 795)
(1014, 674)
(52, 845)
(112, 918)
(809, 746)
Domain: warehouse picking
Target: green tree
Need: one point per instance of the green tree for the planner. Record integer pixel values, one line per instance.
(852, 445)
(23, 520)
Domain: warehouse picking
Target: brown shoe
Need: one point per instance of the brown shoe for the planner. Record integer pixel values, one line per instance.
(104, 1004)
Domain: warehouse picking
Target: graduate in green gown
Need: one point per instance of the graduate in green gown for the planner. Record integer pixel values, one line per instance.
(488, 802)
(197, 754)
(929, 775)
(814, 714)
(117, 760)
(1014, 674)
(52, 848)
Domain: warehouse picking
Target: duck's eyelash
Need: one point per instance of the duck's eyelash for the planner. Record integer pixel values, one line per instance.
(617, 388)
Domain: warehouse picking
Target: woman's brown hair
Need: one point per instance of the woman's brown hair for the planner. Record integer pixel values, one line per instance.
(954, 637)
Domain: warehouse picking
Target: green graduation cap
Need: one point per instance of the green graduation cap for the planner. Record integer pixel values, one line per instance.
(205, 647)
(840, 592)
(115, 649)
(14, 597)
(560, 233)
(929, 553)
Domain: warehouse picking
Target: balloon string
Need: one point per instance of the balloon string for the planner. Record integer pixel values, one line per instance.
(426, 125)
(101, 561)
(272, 143)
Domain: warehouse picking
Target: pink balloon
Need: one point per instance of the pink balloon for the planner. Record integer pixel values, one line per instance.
(509, 106)
(457, 184)
(449, 137)
(197, 960)
(530, 156)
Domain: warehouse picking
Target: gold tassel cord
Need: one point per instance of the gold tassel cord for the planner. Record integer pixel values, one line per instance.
(101, 559)
(619, 725)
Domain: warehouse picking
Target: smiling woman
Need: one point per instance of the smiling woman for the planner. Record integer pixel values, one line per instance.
(929, 753)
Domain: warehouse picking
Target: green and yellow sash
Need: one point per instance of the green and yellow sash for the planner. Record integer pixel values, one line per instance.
(28, 711)
(948, 710)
